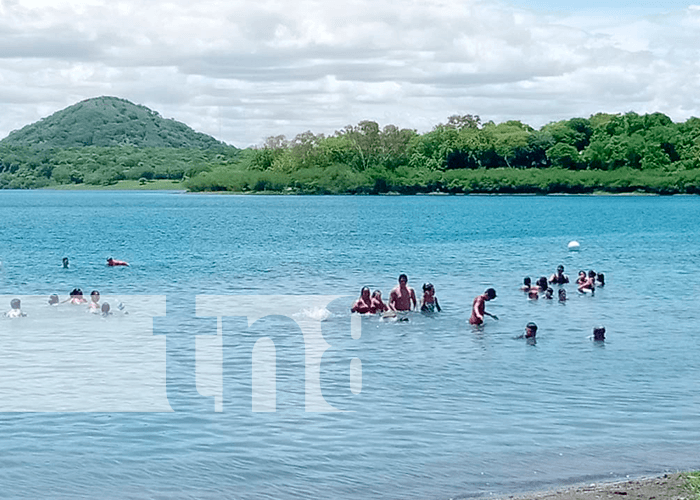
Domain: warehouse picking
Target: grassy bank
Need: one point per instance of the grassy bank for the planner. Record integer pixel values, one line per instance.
(154, 185)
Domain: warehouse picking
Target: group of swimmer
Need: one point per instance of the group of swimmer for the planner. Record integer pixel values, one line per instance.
(587, 283)
(75, 297)
(402, 298)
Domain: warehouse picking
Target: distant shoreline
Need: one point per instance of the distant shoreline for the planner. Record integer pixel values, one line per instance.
(167, 185)
(180, 186)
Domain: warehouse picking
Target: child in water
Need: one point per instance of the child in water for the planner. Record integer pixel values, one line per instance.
(76, 297)
(94, 302)
(429, 302)
(105, 310)
(377, 303)
(588, 285)
(530, 333)
(16, 311)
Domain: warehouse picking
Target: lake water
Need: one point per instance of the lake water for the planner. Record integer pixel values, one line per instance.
(240, 373)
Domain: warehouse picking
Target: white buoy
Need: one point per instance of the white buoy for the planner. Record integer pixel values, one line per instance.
(573, 245)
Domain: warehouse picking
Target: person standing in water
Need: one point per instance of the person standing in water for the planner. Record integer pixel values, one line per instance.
(66, 264)
(402, 298)
(588, 285)
(559, 278)
(429, 302)
(363, 304)
(479, 307)
(377, 303)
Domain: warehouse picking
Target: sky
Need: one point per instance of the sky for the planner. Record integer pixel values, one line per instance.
(242, 71)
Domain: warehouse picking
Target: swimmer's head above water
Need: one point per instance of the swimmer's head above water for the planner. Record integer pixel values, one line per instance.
(530, 330)
(599, 333)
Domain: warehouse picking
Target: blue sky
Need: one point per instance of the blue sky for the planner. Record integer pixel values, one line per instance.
(242, 71)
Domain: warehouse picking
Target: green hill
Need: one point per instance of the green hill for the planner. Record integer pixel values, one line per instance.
(104, 141)
(106, 122)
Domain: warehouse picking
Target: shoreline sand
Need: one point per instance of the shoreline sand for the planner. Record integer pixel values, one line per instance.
(663, 487)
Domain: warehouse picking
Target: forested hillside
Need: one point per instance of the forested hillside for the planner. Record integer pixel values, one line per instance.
(107, 122)
(104, 140)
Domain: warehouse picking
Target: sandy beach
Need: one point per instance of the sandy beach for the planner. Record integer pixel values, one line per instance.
(665, 487)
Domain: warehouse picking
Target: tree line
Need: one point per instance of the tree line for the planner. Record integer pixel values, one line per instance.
(23, 167)
(610, 152)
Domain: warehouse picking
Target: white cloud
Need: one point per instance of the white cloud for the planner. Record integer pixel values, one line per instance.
(244, 70)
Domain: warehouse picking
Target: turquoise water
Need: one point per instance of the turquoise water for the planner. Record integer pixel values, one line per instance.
(123, 407)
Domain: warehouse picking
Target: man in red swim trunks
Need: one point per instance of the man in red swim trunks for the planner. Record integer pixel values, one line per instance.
(479, 307)
(111, 262)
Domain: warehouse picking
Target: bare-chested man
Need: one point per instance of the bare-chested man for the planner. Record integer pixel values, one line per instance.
(479, 307)
(402, 298)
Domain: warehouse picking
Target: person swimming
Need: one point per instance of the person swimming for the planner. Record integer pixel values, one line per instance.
(530, 333)
(66, 264)
(527, 284)
(76, 297)
(600, 277)
(549, 293)
(94, 302)
(562, 295)
(599, 333)
(111, 262)
(105, 309)
(16, 309)
(429, 302)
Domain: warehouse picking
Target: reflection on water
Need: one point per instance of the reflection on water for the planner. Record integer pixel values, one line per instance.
(229, 379)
